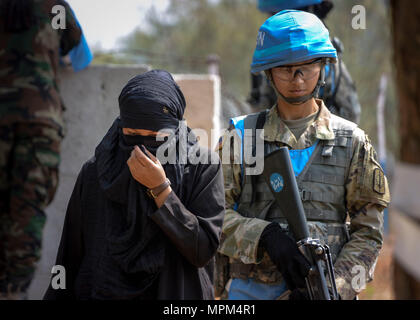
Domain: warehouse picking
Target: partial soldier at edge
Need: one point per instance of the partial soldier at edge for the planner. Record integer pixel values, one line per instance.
(31, 131)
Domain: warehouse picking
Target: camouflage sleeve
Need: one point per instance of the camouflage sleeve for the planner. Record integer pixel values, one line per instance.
(240, 235)
(367, 196)
(71, 35)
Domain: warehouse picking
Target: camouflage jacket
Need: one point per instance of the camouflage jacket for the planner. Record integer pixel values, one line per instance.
(240, 235)
(29, 62)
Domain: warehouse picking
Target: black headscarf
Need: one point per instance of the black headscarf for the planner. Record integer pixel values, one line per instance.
(151, 101)
(135, 245)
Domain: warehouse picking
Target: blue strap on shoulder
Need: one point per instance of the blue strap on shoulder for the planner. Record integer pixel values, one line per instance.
(301, 157)
(238, 124)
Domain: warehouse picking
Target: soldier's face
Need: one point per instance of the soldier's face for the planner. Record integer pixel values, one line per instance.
(298, 79)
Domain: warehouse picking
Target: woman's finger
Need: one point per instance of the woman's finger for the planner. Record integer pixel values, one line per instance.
(151, 156)
(141, 157)
(134, 164)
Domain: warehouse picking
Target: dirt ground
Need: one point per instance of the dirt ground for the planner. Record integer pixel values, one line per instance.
(381, 288)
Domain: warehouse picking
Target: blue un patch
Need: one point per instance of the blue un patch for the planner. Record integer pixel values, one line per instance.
(277, 182)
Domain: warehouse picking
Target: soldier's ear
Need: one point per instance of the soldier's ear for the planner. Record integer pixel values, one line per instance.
(268, 74)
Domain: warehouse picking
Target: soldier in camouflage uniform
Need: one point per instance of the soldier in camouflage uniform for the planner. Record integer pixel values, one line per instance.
(339, 93)
(338, 175)
(31, 130)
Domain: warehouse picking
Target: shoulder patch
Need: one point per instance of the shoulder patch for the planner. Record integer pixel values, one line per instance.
(378, 181)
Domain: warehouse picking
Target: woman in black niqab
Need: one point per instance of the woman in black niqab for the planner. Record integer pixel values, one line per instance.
(135, 250)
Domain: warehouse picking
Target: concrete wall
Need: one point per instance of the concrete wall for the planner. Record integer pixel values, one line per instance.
(405, 217)
(91, 99)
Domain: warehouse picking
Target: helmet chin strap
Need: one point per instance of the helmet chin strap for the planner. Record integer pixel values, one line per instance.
(302, 99)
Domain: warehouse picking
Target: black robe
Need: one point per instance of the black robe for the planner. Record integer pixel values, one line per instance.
(191, 223)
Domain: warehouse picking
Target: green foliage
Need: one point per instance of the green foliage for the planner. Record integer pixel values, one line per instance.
(192, 29)
(368, 54)
(109, 58)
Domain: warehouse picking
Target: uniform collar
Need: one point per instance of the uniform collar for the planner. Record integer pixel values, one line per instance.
(275, 130)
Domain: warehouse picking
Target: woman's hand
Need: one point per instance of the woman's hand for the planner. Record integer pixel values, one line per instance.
(147, 171)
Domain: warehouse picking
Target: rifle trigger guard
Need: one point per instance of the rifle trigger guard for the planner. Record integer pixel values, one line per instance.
(321, 252)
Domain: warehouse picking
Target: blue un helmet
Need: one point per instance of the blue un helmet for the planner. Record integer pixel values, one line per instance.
(292, 36)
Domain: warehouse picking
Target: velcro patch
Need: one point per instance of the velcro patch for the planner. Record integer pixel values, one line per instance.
(378, 181)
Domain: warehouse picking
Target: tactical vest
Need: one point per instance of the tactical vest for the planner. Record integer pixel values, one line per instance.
(322, 188)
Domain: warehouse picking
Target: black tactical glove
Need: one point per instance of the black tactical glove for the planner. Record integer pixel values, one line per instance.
(285, 254)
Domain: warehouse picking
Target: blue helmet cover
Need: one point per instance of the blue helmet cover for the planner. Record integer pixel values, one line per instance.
(291, 36)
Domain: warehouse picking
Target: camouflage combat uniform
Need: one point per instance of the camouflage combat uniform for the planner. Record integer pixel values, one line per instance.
(31, 130)
(339, 92)
(362, 194)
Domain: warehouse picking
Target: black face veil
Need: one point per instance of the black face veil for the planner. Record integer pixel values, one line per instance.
(135, 245)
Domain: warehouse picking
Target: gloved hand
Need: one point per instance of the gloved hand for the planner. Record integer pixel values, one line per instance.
(285, 254)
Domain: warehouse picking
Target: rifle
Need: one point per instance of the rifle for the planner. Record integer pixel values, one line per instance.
(278, 174)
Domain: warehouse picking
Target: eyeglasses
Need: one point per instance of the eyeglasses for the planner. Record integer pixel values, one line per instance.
(307, 71)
